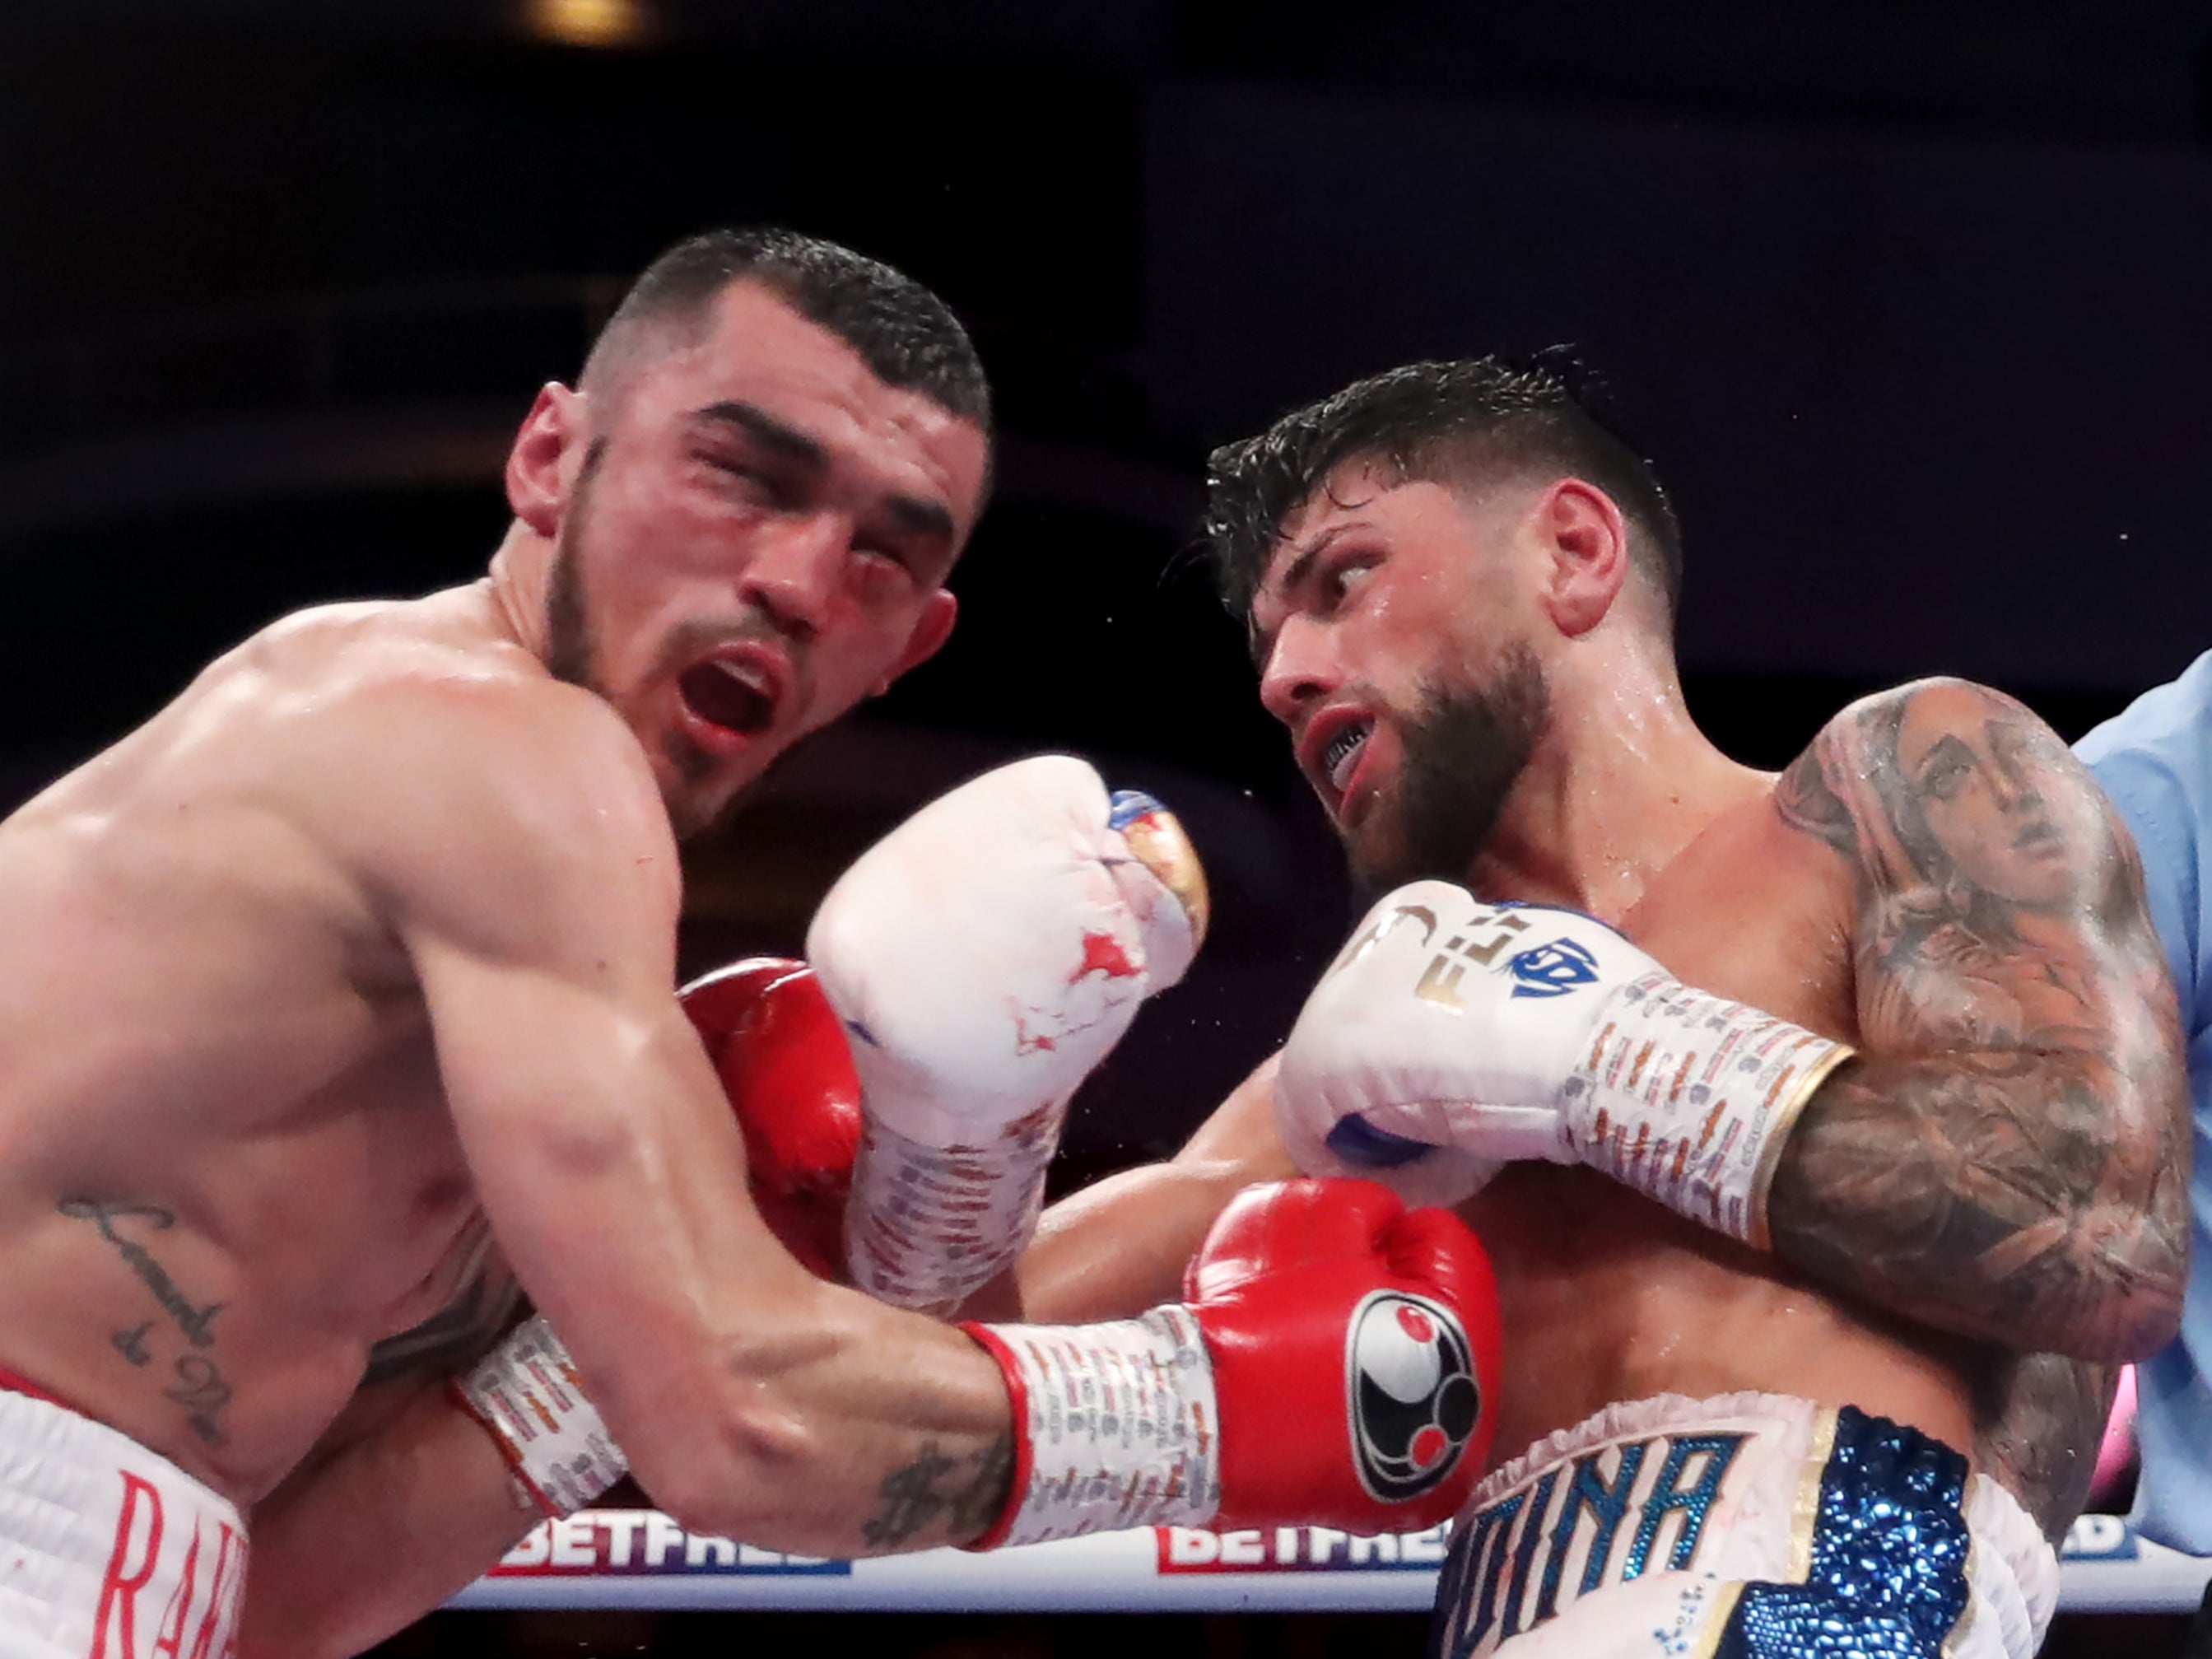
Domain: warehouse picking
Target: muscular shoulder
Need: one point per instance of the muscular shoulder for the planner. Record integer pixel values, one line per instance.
(1941, 779)
(453, 778)
(522, 790)
(1983, 854)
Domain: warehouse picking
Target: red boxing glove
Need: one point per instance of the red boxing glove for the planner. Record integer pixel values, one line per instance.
(1333, 1366)
(777, 1044)
(1355, 1346)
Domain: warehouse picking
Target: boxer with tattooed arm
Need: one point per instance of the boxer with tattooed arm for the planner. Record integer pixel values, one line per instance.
(363, 950)
(1907, 1258)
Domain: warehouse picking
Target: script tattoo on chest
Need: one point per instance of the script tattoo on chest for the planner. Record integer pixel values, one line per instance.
(132, 1343)
(199, 1385)
(193, 1321)
(201, 1390)
(2008, 1157)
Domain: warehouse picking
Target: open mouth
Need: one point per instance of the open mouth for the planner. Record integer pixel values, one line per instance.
(737, 695)
(1339, 758)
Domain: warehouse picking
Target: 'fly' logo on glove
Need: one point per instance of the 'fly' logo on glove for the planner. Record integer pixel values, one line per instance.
(1554, 970)
(1414, 1395)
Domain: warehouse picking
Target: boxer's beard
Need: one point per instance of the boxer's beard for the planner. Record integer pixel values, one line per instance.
(568, 613)
(1462, 752)
(571, 654)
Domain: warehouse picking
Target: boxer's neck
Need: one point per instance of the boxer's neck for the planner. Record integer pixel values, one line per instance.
(516, 586)
(1620, 781)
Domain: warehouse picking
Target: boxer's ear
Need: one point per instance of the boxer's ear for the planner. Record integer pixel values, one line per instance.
(537, 484)
(1584, 542)
(934, 626)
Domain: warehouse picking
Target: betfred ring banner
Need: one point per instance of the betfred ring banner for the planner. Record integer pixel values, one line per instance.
(642, 1558)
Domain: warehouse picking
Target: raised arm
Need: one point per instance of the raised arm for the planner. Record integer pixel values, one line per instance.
(751, 1398)
(2008, 1157)
(1121, 1245)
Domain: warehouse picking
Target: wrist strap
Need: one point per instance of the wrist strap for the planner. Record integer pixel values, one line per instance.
(928, 1226)
(1115, 1426)
(526, 1394)
(1688, 1097)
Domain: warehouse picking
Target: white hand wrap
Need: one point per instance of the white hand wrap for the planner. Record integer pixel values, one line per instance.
(526, 1394)
(928, 1226)
(1452, 1036)
(983, 958)
(1688, 1097)
(1114, 1424)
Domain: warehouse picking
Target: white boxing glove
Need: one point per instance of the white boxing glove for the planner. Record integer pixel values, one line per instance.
(1453, 1037)
(984, 957)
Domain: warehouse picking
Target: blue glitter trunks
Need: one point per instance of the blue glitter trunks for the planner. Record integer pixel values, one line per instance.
(1748, 1527)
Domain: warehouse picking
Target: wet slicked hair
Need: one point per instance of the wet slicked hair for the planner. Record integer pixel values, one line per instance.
(906, 335)
(1449, 422)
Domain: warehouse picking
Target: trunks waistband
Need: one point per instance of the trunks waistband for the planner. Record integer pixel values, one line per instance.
(11, 1383)
(105, 1546)
(1759, 1508)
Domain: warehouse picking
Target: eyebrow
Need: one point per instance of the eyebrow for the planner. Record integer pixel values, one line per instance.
(764, 429)
(1294, 574)
(915, 515)
(919, 517)
(1949, 747)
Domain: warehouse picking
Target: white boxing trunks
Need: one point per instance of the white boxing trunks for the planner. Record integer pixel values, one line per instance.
(1747, 1526)
(106, 1550)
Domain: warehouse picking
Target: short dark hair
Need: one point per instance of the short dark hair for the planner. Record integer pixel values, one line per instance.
(907, 336)
(1438, 420)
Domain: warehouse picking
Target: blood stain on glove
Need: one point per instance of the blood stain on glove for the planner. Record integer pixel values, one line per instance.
(1103, 954)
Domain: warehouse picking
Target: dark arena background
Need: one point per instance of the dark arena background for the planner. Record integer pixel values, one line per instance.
(1910, 302)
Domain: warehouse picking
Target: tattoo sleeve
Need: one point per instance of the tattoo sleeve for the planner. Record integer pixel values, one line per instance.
(2040, 1428)
(2009, 1156)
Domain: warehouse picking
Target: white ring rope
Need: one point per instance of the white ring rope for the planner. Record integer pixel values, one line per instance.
(641, 1558)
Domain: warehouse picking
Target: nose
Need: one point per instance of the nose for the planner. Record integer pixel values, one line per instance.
(2014, 788)
(1300, 670)
(795, 570)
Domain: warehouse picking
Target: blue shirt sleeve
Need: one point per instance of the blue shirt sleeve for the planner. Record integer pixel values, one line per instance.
(2155, 760)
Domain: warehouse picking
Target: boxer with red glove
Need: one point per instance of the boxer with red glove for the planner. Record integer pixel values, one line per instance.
(1333, 1364)
(984, 957)
(783, 1061)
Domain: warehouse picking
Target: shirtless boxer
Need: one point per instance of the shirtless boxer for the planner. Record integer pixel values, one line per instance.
(1460, 588)
(367, 940)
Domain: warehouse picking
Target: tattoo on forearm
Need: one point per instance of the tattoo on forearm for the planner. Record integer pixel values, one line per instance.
(965, 1494)
(2043, 1420)
(132, 1343)
(193, 1321)
(2010, 1158)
